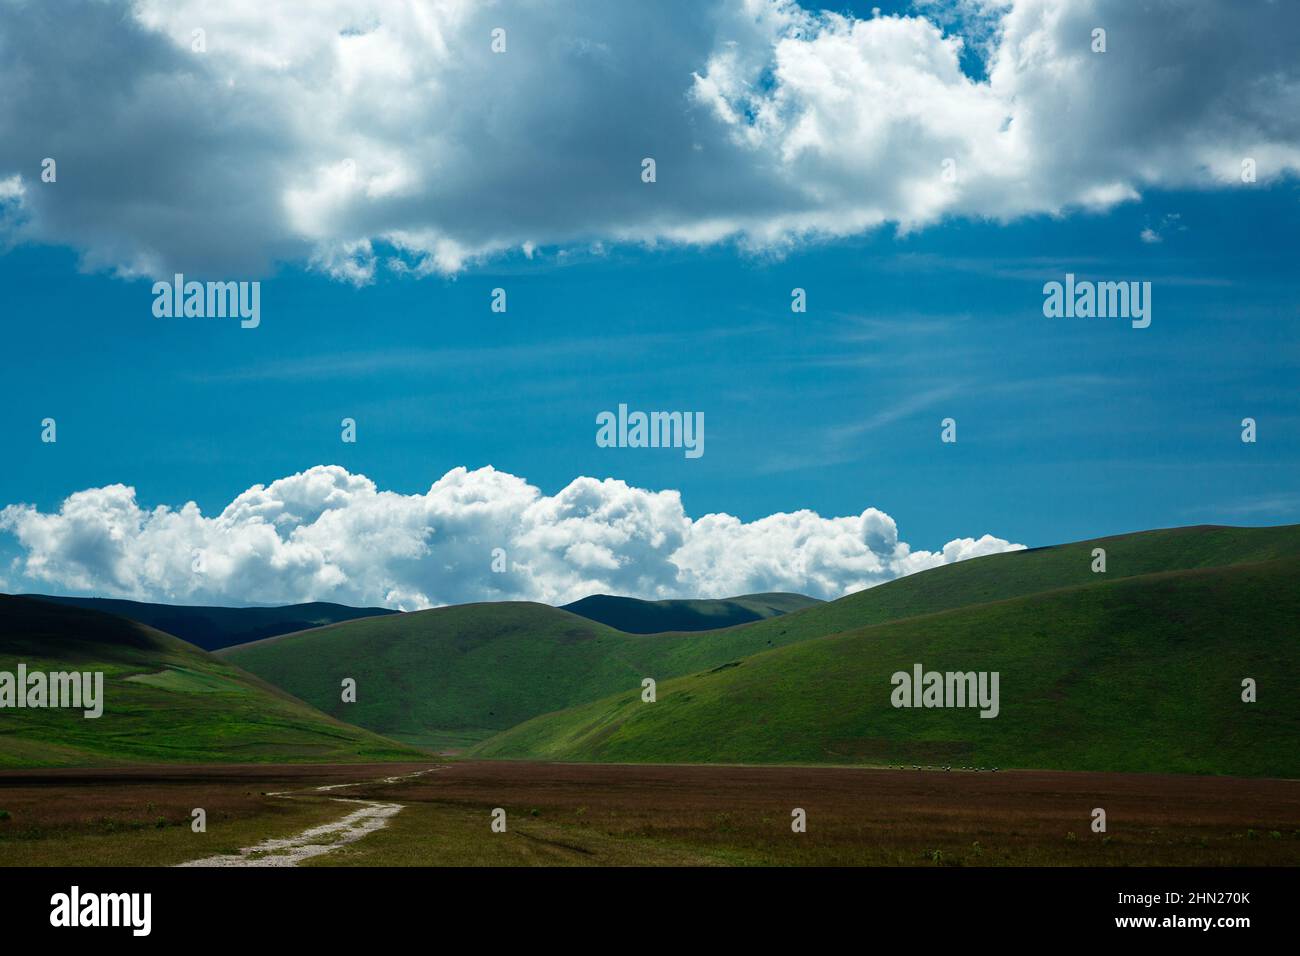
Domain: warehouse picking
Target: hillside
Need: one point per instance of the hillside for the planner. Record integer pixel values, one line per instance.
(451, 676)
(1140, 674)
(215, 627)
(164, 700)
(635, 616)
(1013, 574)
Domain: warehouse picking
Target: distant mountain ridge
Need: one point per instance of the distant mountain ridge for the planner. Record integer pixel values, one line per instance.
(212, 628)
(635, 616)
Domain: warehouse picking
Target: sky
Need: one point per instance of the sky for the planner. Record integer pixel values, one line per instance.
(381, 171)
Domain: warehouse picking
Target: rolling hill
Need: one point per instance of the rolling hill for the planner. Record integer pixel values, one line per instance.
(635, 616)
(449, 676)
(164, 700)
(1013, 574)
(453, 676)
(214, 627)
(1137, 674)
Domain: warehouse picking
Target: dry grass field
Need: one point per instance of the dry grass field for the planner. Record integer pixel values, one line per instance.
(595, 815)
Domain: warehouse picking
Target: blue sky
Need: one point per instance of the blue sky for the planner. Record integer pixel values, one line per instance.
(1067, 428)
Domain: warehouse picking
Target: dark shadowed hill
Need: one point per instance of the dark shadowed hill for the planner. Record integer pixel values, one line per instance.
(635, 616)
(163, 700)
(214, 627)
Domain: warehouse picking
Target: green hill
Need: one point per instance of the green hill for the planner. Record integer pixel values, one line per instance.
(1019, 573)
(451, 676)
(1137, 674)
(214, 627)
(635, 616)
(164, 700)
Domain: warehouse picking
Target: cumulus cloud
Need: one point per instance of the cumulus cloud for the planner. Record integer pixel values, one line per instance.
(364, 135)
(327, 534)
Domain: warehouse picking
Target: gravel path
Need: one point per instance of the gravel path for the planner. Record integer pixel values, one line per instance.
(290, 851)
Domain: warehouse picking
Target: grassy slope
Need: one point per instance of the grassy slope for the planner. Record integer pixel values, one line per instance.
(1140, 674)
(214, 627)
(635, 616)
(456, 675)
(1019, 573)
(453, 675)
(165, 700)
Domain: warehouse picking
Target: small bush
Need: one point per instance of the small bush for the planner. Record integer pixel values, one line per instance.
(4, 815)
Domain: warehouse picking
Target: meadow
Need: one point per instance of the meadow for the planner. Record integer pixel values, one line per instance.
(620, 815)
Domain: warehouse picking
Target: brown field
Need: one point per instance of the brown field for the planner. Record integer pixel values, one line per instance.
(141, 815)
(586, 814)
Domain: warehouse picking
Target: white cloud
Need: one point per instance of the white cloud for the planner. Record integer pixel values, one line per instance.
(11, 202)
(1170, 222)
(356, 135)
(326, 534)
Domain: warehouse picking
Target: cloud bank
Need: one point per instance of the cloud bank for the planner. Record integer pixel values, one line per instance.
(369, 135)
(328, 535)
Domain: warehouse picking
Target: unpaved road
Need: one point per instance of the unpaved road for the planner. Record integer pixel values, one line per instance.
(316, 841)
